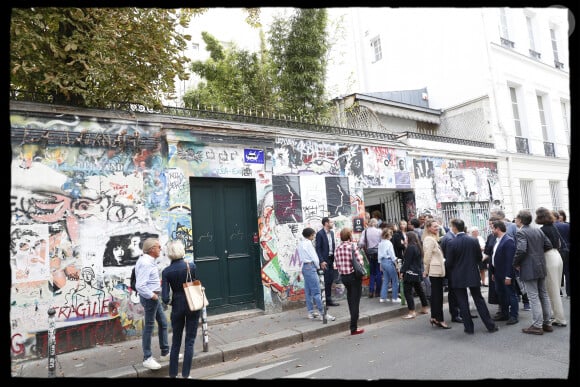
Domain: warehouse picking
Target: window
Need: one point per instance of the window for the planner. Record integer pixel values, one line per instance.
(533, 53)
(565, 123)
(526, 190)
(377, 51)
(557, 63)
(503, 30)
(555, 194)
(516, 113)
(542, 117)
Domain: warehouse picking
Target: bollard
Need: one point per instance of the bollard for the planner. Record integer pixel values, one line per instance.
(204, 331)
(51, 343)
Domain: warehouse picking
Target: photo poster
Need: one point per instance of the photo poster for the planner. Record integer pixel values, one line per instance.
(314, 202)
(338, 196)
(287, 200)
(29, 253)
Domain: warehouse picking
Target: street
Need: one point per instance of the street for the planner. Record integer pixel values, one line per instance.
(413, 350)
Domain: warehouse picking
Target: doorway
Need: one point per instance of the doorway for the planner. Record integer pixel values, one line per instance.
(226, 254)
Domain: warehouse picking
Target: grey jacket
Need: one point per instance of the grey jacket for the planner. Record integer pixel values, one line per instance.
(531, 243)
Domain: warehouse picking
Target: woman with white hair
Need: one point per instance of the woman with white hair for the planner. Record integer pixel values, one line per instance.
(172, 278)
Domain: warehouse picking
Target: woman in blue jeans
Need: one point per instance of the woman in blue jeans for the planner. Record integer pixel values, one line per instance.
(173, 277)
(388, 261)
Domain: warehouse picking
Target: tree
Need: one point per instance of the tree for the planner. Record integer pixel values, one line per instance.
(233, 79)
(286, 78)
(93, 56)
(299, 53)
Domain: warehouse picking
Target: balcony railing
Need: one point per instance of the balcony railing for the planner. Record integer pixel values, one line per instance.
(559, 65)
(507, 43)
(522, 145)
(549, 149)
(535, 54)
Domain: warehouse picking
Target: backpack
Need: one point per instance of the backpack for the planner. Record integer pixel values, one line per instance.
(133, 281)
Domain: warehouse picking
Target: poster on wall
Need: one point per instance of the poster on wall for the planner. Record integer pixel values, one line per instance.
(29, 253)
(287, 200)
(338, 196)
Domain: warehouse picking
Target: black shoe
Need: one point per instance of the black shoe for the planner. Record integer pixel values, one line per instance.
(500, 318)
(474, 316)
(494, 329)
(332, 303)
(468, 332)
(457, 319)
(513, 321)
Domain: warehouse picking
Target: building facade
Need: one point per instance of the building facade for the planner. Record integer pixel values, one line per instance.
(88, 186)
(517, 58)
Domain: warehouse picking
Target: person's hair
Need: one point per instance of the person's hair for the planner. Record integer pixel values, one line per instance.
(499, 213)
(472, 229)
(175, 249)
(427, 230)
(325, 220)
(415, 222)
(544, 216)
(387, 233)
(377, 214)
(403, 221)
(562, 215)
(149, 243)
(556, 215)
(373, 222)
(345, 234)
(308, 232)
(413, 239)
(525, 217)
(493, 218)
(390, 225)
(459, 224)
(499, 224)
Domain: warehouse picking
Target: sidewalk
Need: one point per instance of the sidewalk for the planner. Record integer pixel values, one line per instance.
(231, 336)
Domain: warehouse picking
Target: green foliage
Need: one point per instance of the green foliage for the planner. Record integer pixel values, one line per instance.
(93, 56)
(286, 78)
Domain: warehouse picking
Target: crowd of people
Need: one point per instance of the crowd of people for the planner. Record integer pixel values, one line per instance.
(422, 257)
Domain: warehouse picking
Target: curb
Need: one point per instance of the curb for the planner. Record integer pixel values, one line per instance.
(227, 352)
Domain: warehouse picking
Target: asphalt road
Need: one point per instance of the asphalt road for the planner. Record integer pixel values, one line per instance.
(413, 350)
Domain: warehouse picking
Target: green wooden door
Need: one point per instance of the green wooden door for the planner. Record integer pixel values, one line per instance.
(224, 222)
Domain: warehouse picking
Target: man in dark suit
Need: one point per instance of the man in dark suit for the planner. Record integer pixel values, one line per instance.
(463, 255)
(503, 272)
(325, 246)
(531, 243)
(451, 297)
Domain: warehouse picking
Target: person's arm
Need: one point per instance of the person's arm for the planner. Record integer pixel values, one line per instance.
(165, 288)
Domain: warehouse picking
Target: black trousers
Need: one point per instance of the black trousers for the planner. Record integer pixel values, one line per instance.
(480, 304)
(353, 294)
(329, 279)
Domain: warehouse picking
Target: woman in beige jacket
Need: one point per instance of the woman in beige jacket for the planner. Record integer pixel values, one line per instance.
(434, 264)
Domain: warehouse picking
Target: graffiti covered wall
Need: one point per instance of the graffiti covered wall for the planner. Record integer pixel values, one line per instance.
(81, 209)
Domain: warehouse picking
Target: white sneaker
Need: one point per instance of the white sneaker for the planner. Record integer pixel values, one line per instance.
(381, 300)
(397, 300)
(330, 317)
(313, 315)
(151, 364)
(166, 357)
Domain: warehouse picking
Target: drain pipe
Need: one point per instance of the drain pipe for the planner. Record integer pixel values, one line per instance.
(510, 179)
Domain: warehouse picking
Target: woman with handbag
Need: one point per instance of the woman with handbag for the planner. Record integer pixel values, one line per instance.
(343, 256)
(172, 278)
(412, 274)
(434, 265)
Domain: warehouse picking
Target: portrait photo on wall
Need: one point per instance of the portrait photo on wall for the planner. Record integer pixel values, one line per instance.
(125, 250)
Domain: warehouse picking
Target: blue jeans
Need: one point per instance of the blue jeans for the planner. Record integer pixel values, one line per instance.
(182, 317)
(375, 276)
(312, 287)
(389, 275)
(153, 312)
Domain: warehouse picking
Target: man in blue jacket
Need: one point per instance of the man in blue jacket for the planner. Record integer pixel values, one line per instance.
(504, 274)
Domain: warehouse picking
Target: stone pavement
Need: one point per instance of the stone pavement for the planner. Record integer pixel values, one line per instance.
(231, 336)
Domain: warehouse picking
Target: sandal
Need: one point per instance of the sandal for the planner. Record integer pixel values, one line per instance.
(409, 316)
